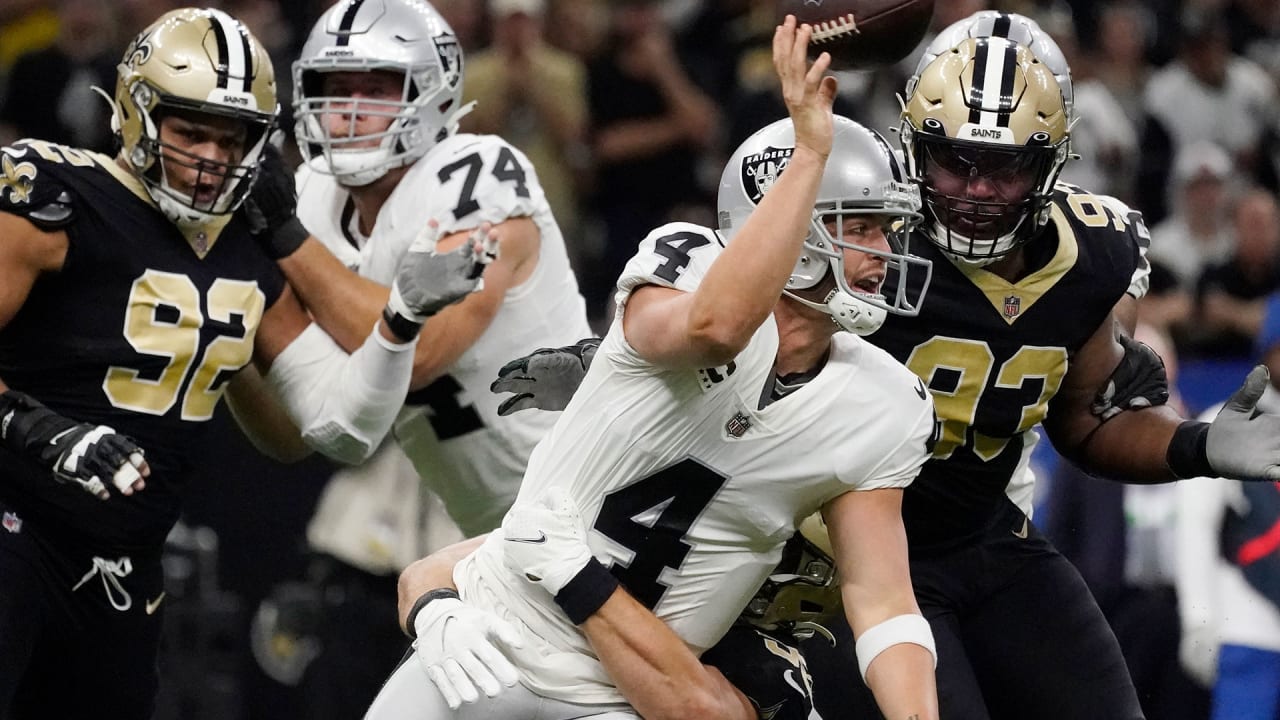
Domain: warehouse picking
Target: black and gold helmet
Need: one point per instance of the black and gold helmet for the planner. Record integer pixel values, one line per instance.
(196, 61)
(802, 594)
(985, 130)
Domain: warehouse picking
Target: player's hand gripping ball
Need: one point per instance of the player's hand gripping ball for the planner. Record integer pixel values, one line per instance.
(862, 34)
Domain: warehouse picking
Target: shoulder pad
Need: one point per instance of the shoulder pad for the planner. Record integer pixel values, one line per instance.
(30, 193)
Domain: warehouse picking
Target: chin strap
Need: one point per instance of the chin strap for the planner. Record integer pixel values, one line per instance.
(849, 312)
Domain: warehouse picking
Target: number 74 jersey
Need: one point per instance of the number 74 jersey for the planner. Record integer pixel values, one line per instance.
(689, 486)
(465, 452)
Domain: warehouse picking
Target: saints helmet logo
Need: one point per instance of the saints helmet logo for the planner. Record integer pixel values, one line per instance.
(761, 170)
(139, 51)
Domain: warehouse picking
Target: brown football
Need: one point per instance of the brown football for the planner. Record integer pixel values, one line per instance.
(862, 34)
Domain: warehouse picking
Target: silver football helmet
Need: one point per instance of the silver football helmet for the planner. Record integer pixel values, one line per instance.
(862, 177)
(404, 36)
(201, 61)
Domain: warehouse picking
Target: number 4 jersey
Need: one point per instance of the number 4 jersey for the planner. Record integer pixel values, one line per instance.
(464, 451)
(690, 486)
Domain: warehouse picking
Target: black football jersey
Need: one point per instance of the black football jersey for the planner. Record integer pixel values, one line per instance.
(139, 331)
(994, 353)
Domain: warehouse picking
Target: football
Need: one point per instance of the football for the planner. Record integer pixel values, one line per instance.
(862, 34)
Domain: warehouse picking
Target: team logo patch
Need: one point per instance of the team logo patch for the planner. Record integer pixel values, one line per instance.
(738, 425)
(12, 522)
(16, 179)
(1012, 306)
(450, 55)
(761, 170)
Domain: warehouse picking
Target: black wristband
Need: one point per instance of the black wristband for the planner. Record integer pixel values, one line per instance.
(428, 596)
(582, 596)
(286, 239)
(401, 326)
(1188, 455)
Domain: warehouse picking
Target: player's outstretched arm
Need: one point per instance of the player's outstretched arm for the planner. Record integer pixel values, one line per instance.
(1153, 443)
(712, 325)
(92, 456)
(651, 666)
(894, 643)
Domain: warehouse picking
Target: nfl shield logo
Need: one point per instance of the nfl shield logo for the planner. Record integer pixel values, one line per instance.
(1012, 306)
(738, 425)
(12, 522)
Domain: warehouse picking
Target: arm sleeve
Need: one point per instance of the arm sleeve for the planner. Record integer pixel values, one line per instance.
(343, 404)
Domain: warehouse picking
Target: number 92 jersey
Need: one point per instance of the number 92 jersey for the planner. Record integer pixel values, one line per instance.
(994, 353)
(465, 452)
(140, 331)
(689, 486)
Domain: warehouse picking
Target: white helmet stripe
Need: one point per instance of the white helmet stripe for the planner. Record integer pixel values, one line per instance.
(991, 98)
(233, 51)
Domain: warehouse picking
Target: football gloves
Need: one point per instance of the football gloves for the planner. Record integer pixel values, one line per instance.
(1243, 443)
(1139, 381)
(85, 454)
(545, 542)
(546, 378)
(271, 206)
(427, 282)
(461, 648)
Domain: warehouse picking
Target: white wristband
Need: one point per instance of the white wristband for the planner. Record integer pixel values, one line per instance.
(896, 630)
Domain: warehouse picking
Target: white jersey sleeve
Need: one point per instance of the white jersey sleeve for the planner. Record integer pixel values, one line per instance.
(676, 255)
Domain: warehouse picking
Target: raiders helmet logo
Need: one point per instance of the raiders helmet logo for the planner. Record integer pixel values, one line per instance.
(450, 55)
(761, 170)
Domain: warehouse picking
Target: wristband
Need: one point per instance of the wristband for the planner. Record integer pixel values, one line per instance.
(401, 326)
(897, 630)
(286, 239)
(427, 597)
(1188, 455)
(582, 596)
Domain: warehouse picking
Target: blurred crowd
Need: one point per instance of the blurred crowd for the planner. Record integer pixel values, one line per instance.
(628, 108)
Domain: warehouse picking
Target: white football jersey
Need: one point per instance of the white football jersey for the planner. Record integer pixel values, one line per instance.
(690, 488)
(468, 455)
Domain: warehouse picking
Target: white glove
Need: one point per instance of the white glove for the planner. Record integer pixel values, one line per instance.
(1243, 443)
(545, 541)
(1198, 653)
(427, 282)
(461, 647)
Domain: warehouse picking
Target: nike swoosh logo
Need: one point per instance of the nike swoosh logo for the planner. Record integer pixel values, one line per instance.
(920, 390)
(1023, 532)
(54, 440)
(542, 537)
(153, 605)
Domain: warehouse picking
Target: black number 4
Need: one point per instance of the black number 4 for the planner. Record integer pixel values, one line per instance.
(506, 170)
(683, 491)
(676, 248)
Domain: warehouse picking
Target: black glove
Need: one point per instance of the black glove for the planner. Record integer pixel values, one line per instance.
(272, 206)
(73, 451)
(1139, 381)
(544, 379)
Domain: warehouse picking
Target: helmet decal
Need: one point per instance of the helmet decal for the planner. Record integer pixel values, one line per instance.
(761, 170)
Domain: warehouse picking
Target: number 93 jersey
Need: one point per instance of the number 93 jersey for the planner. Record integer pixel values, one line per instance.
(689, 486)
(140, 330)
(465, 452)
(994, 354)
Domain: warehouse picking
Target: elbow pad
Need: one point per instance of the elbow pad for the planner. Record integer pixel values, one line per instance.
(343, 404)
